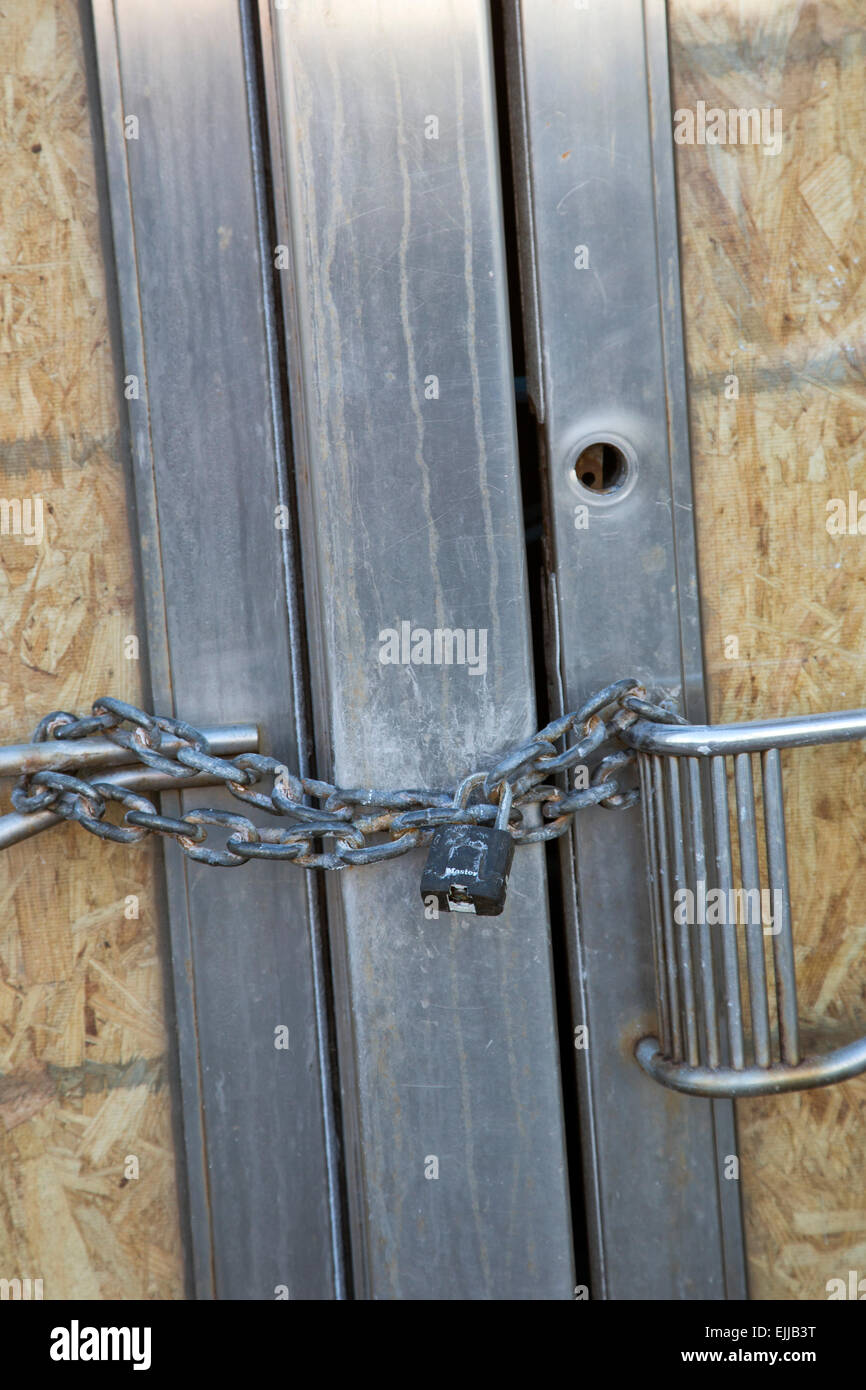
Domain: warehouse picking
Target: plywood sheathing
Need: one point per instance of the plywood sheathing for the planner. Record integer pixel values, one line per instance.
(82, 1027)
(774, 280)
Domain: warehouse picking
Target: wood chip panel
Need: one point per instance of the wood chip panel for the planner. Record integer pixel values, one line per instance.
(83, 1083)
(774, 278)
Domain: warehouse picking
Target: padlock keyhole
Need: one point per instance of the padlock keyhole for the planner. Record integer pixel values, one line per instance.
(459, 899)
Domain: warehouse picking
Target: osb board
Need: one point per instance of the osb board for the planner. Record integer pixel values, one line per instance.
(774, 280)
(82, 1028)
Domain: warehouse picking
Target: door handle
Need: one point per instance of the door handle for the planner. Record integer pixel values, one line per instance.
(716, 896)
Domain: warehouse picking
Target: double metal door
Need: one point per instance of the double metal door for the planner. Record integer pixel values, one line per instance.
(338, 234)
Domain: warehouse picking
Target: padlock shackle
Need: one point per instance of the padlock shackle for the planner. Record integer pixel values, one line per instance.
(506, 797)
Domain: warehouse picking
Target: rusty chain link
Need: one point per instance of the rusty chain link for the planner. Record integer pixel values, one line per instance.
(346, 815)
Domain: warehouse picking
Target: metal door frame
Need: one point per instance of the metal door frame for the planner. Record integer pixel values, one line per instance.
(601, 289)
(213, 347)
(472, 1072)
(190, 234)
(261, 1167)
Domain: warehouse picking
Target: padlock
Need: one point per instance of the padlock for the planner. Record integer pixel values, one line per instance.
(468, 865)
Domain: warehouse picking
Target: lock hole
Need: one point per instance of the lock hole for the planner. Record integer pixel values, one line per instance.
(601, 467)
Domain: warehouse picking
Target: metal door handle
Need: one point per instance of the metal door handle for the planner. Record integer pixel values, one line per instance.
(708, 890)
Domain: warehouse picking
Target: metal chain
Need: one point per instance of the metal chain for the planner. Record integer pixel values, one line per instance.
(345, 815)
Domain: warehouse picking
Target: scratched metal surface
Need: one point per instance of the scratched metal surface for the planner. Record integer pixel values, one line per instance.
(412, 513)
(596, 172)
(218, 598)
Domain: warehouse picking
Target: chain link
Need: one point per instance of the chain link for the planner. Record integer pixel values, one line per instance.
(346, 816)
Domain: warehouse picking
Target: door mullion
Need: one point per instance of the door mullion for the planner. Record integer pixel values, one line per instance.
(207, 476)
(403, 413)
(588, 89)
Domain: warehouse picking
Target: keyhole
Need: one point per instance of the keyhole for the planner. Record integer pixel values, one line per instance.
(601, 467)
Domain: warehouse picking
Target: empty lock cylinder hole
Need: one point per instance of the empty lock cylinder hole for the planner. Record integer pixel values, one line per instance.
(601, 467)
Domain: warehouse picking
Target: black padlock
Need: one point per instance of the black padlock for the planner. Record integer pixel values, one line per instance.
(468, 865)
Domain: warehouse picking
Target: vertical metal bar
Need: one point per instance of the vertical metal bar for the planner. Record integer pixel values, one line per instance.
(600, 280)
(726, 1240)
(684, 942)
(404, 432)
(702, 928)
(197, 336)
(666, 908)
(751, 881)
(660, 963)
(253, 42)
(725, 882)
(783, 942)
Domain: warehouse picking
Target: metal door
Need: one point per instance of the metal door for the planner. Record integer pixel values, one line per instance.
(316, 284)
